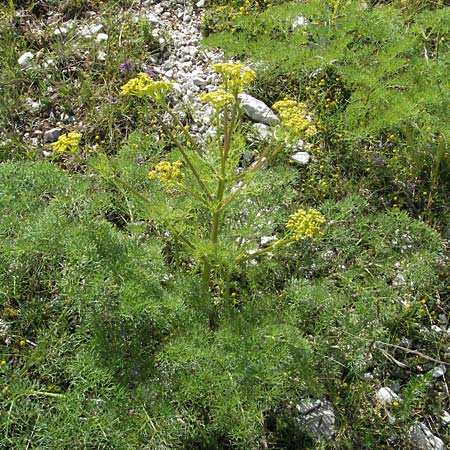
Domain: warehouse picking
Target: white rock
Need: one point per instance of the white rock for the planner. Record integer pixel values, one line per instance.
(445, 418)
(96, 28)
(439, 371)
(101, 37)
(399, 280)
(49, 62)
(261, 131)
(25, 58)
(32, 104)
(301, 157)
(152, 18)
(421, 438)
(200, 4)
(386, 395)
(87, 31)
(267, 239)
(257, 110)
(60, 30)
(4, 328)
(300, 21)
(300, 145)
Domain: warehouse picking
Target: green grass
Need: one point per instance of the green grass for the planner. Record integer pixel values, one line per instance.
(103, 338)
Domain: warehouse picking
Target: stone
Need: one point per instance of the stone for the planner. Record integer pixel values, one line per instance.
(87, 31)
(439, 371)
(267, 239)
(25, 58)
(445, 418)
(386, 395)
(261, 131)
(421, 438)
(299, 21)
(60, 30)
(257, 110)
(199, 81)
(301, 157)
(52, 135)
(437, 329)
(317, 418)
(200, 4)
(101, 37)
(152, 18)
(399, 280)
(32, 104)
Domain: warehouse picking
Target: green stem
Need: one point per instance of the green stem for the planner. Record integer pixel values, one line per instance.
(186, 158)
(193, 193)
(218, 209)
(47, 394)
(188, 135)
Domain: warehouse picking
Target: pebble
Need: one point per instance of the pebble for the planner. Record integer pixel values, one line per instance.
(439, 371)
(445, 418)
(301, 157)
(299, 21)
(386, 395)
(25, 58)
(52, 135)
(101, 37)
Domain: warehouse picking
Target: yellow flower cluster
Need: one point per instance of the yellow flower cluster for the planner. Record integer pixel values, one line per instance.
(218, 99)
(67, 143)
(305, 224)
(234, 77)
(166, 172)
(144, 85)
(294, 117)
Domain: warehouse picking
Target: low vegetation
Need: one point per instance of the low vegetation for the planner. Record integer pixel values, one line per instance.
(156, 294)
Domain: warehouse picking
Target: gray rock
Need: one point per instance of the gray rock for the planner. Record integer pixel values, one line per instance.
(421, 438)
(198, 80)
(52, 135)
(257, 110)
(261, 132)
(317, 418)
(439, 371)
